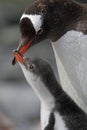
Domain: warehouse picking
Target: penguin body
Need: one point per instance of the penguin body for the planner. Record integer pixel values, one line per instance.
(58, 110)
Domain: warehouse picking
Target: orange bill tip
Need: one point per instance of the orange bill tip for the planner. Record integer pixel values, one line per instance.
(18, 54)
(18, 57)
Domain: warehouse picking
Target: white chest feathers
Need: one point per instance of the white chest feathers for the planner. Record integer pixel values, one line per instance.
(59, 122)
(45, 115)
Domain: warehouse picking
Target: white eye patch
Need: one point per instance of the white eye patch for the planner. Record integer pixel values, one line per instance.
(35, 19)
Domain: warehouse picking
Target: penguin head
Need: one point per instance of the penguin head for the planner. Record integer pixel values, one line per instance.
(36, 68)
(33, 26)
(37, 24)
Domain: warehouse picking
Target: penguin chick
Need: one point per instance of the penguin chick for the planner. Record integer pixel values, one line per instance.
(58, 110)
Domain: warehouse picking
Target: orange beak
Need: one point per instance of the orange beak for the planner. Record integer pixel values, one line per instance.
(19, 57)
(20, 52)
(25, 48)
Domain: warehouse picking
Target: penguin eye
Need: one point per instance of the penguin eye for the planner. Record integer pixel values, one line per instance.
(40, 31)
(31, 66)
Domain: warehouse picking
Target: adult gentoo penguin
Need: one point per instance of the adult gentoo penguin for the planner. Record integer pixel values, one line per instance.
(58, 110)
(64, 23)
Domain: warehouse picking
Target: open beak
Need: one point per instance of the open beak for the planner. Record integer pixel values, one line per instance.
(21, 50)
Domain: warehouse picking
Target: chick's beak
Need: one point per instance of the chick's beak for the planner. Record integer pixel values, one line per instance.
(19, 57)
(21, 49)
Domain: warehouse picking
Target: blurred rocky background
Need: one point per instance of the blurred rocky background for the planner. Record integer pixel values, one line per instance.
(19, 105)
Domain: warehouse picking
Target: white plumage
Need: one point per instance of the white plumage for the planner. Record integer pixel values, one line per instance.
(71, 58)
(59, 122)
(35, 19)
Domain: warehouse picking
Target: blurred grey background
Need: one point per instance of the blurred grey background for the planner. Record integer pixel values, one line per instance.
(19, 105)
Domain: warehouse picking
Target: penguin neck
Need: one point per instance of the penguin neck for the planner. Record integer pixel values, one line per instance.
(45, 96)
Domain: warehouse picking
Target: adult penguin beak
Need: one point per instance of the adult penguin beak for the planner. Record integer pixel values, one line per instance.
(21, 49)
